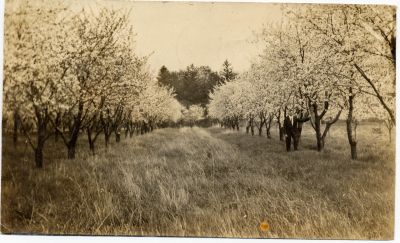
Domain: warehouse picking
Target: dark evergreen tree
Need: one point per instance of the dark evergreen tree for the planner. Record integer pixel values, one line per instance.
(227, 74)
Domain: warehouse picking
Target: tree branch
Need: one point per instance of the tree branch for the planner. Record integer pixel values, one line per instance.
(378, 95)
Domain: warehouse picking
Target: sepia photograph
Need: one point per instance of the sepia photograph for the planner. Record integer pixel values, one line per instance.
(198, 119)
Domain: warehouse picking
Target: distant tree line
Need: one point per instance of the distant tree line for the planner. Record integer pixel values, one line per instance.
(193, 84)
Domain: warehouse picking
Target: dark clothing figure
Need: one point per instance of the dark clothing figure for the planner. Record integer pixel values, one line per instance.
(288, 129)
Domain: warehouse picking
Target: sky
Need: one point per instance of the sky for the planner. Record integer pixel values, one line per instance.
(178, 34)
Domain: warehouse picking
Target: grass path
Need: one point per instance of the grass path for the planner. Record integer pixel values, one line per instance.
(203, 182)
(327, 194)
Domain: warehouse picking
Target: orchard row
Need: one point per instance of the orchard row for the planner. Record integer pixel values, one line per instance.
(320, 63)
(72, 73)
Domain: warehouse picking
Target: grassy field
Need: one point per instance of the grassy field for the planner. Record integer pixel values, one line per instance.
(205, 182)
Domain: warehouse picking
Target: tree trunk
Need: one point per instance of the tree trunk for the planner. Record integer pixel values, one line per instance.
(72, 144)
(71, 151)
(320, 144)
(15, 130)
(280, 128)
(56, 135)
(317, 127)
(389, 125)
(281, 134)
(41, 138)
(262, 122)
(349, 128)
(57, 124)
(252, 126)
(107, 138)
(90, 140)
(117, 136)
(353, 148)
(268, 126)
(91, 147)
(39, 157)
(129, 129)
(142, 129)
(281, 131)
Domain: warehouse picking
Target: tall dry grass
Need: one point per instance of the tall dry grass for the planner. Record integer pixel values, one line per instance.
(205, 182)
